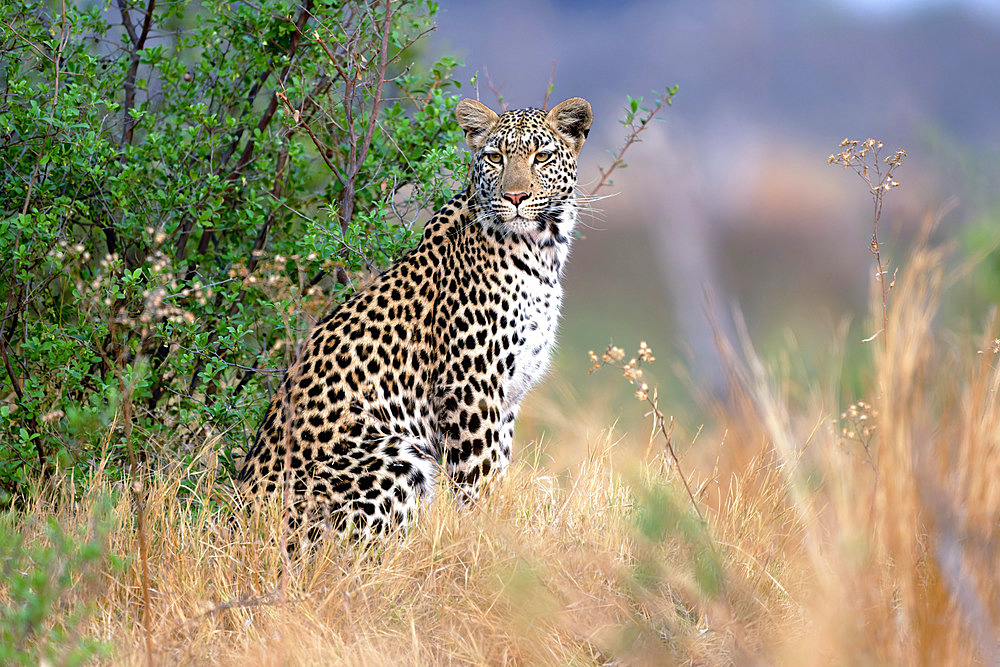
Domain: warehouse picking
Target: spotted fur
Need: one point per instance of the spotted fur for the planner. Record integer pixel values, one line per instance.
(423, 372)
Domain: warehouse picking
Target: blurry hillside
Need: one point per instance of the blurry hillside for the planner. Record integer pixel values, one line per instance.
(731, 196)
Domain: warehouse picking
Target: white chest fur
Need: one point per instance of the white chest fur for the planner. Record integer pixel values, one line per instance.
(537, 304)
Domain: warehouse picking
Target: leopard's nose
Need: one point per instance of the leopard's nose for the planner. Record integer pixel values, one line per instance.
(515, 198)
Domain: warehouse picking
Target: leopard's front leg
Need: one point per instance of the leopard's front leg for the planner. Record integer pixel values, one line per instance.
(476, 435)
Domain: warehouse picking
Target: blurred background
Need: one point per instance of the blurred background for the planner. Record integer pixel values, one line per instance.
(729, 203)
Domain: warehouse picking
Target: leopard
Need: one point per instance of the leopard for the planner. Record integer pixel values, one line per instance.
(414, 383)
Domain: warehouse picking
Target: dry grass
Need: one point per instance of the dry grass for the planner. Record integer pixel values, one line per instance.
(543, 571)
(852, 541)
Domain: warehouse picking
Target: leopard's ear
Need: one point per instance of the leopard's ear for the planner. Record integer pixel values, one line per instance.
(572, 120)
(477, 120)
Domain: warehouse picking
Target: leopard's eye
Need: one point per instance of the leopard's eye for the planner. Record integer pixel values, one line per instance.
(494, 158)
(542, 156)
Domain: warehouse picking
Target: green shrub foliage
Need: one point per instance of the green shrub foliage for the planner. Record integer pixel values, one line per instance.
(184, 187)
(37, 575)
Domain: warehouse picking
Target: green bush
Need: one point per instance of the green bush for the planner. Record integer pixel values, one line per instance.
(37, 573)
(180, 195)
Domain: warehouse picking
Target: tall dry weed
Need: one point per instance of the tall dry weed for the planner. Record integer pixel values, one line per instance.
(895, 505)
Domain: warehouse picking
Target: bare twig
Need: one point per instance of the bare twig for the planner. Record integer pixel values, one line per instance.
(34, 47)
(549, 87)
(12, 309)
(319, 145)
(136, 487)
(272, 106)
(138, 44)
(636, 125)
(14, 381)
(63, 40)
(493, 89)
(359, 153)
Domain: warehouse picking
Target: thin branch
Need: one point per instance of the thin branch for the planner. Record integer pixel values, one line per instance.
(15, 299)
(494, 89)
(126, 390)
(251, 96)
(138, 44)
(320, 147)
(34, 47)
(633, 137)
(549, 87)
(359, 153)
(15, 383)
(63, 41)
(268, 114)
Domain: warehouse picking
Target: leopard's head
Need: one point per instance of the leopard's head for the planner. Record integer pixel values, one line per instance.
(524, 163)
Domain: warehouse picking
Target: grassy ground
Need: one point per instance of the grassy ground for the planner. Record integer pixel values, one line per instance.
(868, 537)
